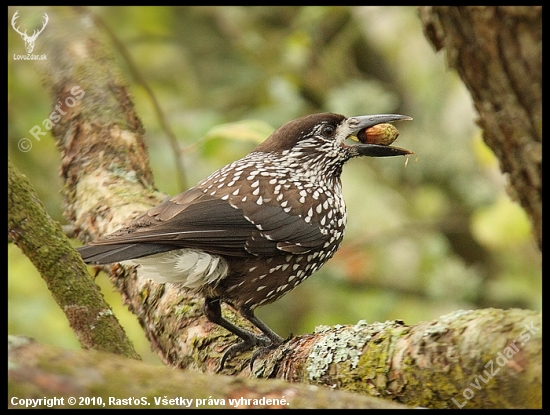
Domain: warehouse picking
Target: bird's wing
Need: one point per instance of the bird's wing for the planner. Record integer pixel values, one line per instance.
(197, 220)
(279, 231)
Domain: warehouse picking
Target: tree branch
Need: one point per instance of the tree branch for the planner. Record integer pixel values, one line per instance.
(433, 364)
(94, 379)
(42, 240)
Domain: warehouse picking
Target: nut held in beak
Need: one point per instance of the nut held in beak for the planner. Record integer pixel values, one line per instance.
(383, 134)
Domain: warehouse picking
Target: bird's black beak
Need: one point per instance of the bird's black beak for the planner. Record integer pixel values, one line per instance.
(376, 150)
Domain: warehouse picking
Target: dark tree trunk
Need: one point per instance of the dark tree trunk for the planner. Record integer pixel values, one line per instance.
(497, 52)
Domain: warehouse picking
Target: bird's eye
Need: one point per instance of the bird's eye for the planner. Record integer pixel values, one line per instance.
(328, 130)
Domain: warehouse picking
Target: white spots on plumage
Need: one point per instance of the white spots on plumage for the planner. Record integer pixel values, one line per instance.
(256, 191)
(319, 208)
(255, 184)
(233, 287)
(236, 191)
(282, 287)
(243, 199)
(252, 175)
(260, 201)
(225, 197)
(260, 288)
(236, 177)
(261, 277)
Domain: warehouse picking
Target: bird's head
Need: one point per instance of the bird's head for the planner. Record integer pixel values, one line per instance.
(320, 140)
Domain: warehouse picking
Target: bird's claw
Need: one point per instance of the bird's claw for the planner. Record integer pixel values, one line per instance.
(262, 351)
(243, 346)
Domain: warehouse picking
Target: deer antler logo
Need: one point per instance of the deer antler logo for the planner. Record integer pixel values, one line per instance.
(29, 40)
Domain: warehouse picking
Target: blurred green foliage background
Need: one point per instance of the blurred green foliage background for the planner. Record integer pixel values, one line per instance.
(423, 239)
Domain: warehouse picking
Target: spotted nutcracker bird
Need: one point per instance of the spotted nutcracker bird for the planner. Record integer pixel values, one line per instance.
(256, 228)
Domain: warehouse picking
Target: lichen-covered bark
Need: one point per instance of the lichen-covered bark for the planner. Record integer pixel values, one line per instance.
(102, 380)
(473, 359)
(42, 240)
(108, 181)
(497, 51)
(104, 160)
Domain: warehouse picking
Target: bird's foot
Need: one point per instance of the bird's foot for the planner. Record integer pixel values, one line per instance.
(243, 346)
(262, 352)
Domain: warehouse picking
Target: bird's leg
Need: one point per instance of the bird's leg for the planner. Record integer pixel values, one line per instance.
(276, 340)
(213, 312)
